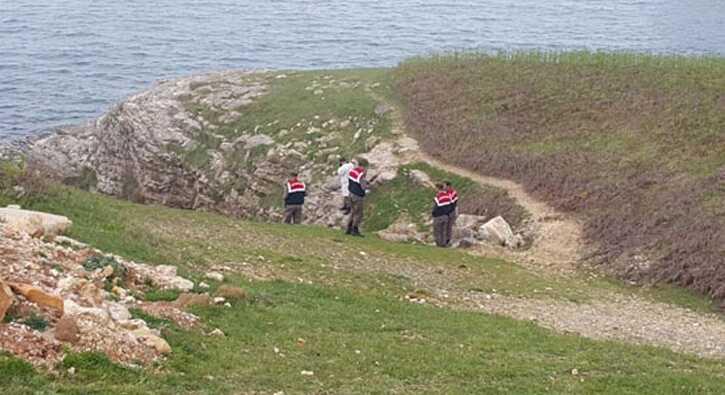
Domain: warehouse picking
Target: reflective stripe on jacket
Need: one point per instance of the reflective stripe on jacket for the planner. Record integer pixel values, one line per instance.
(443, 204)
(356, 177)
(454, 196)
(296, 191)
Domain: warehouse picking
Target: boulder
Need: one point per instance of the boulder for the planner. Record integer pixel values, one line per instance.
(118, 312)
(34, 222)
(162, 276)
(151, 339)
(72, 309)
(497, 231)
(38, 296)
(91, 294)
(216, 276)
(66, 329)
(421, 178)
(6, 299)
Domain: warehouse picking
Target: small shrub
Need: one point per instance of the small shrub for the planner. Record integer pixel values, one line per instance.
(231, 293)
(36, 321)
(101, 261)
(166, 295)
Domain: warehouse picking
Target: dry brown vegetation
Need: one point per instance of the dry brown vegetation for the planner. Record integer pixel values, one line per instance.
(634, 145)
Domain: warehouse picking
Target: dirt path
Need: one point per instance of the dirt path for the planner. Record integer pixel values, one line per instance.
(556, 250)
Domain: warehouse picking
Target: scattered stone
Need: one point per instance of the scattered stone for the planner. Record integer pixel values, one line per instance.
(216, 276)
(217, 332)
(203, 285)
(161, 276)
(307, 373)
(219, 300)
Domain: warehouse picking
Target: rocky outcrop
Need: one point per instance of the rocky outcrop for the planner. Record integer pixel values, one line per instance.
(138, 149)
(181, 144)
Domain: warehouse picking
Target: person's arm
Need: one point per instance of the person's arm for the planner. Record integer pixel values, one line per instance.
(286, 192)
(364, 182)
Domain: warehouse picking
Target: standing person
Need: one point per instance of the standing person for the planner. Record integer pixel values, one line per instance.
(357, 185)
(294, 197)
(442, 208)
(454, 211)
(342, 173)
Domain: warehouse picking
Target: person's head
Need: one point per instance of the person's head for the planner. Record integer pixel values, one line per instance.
(293, 174)
(354, 162)
(440, 186)
(343, 161)
(361, 162)
(448, 184)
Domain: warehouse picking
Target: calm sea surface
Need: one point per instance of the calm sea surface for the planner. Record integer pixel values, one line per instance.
(65, 61)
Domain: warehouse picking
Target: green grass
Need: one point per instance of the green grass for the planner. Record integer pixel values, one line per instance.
(333, 305)
(632, 144)
(403, 195)
(294, 105)
(402, 347)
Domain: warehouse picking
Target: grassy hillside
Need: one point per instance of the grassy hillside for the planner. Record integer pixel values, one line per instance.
(635, 145)
(317, 305)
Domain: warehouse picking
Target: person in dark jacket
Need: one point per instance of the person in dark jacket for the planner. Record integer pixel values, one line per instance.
(358, 186)
(442, 208)
(453, 216)
(294, 198)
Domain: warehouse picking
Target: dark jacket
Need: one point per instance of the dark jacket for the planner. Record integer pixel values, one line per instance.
(295, 192)
(358, 184)
(442, 204)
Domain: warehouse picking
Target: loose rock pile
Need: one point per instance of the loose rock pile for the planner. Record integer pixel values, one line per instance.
(61, 294)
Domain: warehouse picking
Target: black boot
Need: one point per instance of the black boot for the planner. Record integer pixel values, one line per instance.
(356, 232)
(349, 229)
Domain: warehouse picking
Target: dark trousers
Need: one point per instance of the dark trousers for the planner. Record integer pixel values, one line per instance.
(346, 205)
(440, 230)
(356, 214)
(293, 214)
(450, 225)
